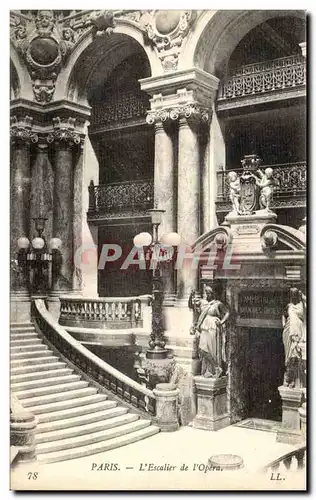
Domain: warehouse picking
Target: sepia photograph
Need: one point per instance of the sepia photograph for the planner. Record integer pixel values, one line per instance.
(158, 225)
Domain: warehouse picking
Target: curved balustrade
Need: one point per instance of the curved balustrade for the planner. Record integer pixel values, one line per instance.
(119, 384)
(293, 460)
(104, 312)
(267, 76)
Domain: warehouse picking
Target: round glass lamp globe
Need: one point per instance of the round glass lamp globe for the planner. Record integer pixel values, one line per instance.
(170, 239)
(23, 242)
(38, 243)
(55, 243)
(142, 240)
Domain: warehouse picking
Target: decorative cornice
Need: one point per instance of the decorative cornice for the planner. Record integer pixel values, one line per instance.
(64, 132)
(22, 130)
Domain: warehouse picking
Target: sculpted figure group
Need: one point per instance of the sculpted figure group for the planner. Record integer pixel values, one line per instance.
(264, 180)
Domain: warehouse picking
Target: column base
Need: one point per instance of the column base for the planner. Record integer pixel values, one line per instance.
(53, 305)
(20, 307)
(167, 407)
(158, 370)
(290, 431)
(212, 414)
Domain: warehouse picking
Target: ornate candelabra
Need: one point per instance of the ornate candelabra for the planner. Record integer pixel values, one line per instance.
(157, 354)
(35, 258)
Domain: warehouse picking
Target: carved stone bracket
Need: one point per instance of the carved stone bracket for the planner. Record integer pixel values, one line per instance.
(64, 132)
(22, 130)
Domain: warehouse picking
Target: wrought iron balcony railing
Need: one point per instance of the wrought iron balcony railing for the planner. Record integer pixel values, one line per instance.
(267, 76)
(129, 197)
(120, 108)
(291, 189)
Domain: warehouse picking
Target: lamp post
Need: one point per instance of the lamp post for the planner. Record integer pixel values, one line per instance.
(35, 257)
(157, 351)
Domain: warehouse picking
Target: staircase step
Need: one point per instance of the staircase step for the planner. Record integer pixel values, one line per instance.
(88, 418)
(19, 370)
(75, 412)
(102, 446)
(41, 374)
(31, 354)
(81, 430)
(24, 335)
(94, 437)
(22, 327)
(58, 396)
(67, 404)
(31, 384)
(54, 389)
(25, 342)
(28, 348)
(33, 361)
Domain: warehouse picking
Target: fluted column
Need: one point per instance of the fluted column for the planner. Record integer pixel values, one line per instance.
(191, 119)
(21, 138)
(65, 139)
(164, 187)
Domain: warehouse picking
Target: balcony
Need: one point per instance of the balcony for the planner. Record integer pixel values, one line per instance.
(291, 192)
(120, 200)
(261, 82)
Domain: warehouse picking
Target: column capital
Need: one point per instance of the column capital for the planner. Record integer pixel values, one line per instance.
(64, 132)
(190, 112)
(21, 130)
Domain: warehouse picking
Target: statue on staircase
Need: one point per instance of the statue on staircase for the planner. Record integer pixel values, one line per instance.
(294, 340)
(208, 329)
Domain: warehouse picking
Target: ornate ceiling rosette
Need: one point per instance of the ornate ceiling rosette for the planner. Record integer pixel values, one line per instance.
(45, 38)
(166, 30)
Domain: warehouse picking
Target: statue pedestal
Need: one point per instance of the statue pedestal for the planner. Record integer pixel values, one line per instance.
(20, 307)
(290, 431)
(246, 229)
(212, 412)
(167, 407)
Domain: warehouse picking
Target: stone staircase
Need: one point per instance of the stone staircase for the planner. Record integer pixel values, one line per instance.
(74, 418)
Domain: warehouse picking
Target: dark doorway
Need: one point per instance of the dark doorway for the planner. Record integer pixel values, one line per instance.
(265, 373)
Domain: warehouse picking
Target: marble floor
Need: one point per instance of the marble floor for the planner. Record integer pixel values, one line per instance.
(174, 461)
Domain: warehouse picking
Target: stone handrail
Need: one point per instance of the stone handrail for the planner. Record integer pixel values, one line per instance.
(104, 374)
(267, 76)
(295, 459)
(102, 312)
(22, 431)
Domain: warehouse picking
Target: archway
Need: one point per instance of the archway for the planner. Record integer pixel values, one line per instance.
(121, 151)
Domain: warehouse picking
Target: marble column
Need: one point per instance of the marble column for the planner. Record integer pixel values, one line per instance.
(164, 188)
(22, 136)
(188, 199)
(63, 212)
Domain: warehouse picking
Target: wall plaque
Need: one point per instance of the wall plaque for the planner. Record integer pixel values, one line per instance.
(261, 304)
